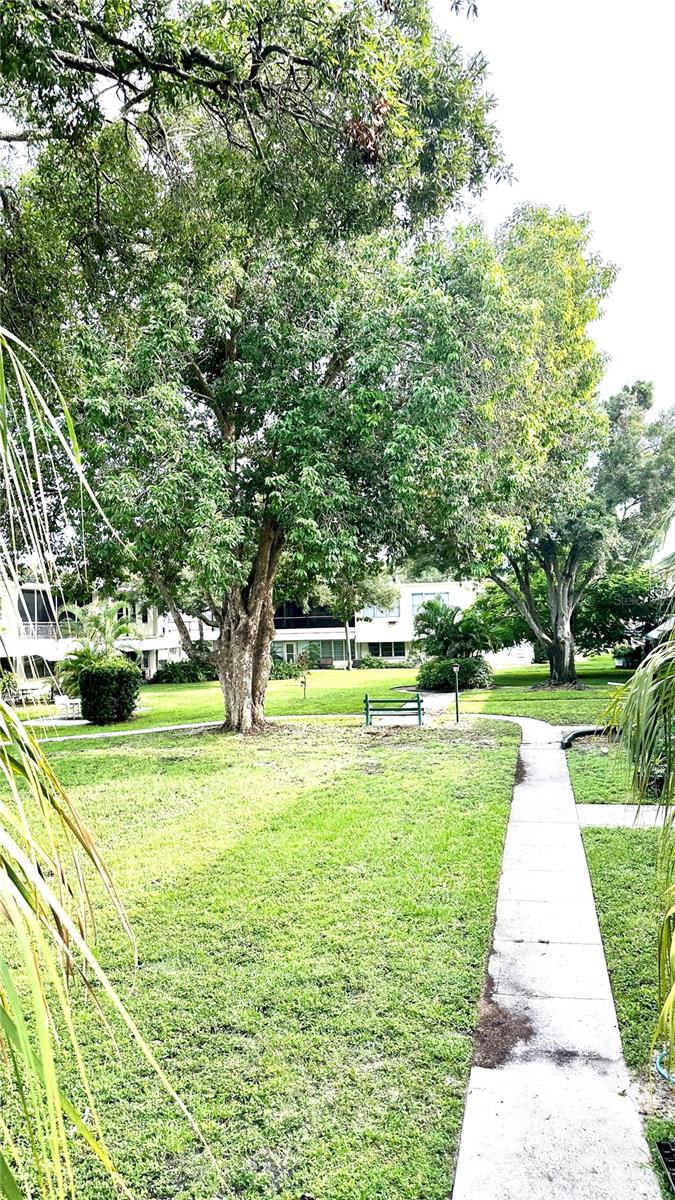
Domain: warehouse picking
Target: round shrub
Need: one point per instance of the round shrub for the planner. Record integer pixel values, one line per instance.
(438, 675)
(109, 690)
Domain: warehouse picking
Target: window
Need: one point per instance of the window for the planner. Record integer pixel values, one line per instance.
(36, 668)
(370, 612)
(35, 606)
(386, 649)
(420, 598)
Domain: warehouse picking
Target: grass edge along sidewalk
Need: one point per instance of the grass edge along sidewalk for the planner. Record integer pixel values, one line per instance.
(313, 911)
(622, 863)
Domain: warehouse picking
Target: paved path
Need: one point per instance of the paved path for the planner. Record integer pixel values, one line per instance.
(621, 816)
(548, 1114)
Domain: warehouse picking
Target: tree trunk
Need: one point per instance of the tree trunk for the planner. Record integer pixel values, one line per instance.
(561, 651)
(558, 644)
(349, 647)
(245, 634)
(243, 645)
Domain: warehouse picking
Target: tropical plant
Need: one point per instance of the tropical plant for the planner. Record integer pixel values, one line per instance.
(45, 904)
(8, 686)
(96, 626)
(446, 631)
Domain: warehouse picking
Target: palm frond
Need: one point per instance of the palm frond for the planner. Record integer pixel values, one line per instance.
(44, 848)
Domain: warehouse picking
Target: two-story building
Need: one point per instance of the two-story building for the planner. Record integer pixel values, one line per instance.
(32, 641)
(388, 635)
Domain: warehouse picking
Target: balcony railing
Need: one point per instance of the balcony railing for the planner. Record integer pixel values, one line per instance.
(40, 629)
(307, 621)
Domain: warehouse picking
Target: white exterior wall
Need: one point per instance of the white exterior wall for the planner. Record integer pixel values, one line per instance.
(401, 628)
(159, 641)
(397, 626)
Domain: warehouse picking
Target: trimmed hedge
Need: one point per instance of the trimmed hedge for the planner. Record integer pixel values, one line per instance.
(438, 675)
(109, 691)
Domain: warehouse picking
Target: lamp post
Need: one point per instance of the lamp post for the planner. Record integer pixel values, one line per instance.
(455, 667)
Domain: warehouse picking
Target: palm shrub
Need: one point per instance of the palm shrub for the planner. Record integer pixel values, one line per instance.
(45, 847)
(97, 627)
(445, 631)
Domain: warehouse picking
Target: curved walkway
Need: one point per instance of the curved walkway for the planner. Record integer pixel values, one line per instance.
(549, 1114)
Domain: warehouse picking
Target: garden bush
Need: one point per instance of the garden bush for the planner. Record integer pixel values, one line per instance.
(9, 687)
(438, 675)
(284, 670)
(179, 672)
(190, 670)
(109, 691)
(368, 662)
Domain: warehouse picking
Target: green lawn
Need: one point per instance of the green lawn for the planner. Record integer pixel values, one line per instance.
(622, 863)
(599, 773)
(341, 692)
(328, 692)
(514, 694)
(313, 910)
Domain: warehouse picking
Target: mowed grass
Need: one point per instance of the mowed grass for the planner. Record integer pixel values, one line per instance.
(622, 863)
(600, 773)
(313, 910)
(328, 692)
(341, 692)
(516, 695)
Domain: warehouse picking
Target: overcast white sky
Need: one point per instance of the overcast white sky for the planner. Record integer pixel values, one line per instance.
(585, 95)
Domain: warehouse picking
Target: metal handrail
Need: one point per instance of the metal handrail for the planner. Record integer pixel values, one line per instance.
(40, 629)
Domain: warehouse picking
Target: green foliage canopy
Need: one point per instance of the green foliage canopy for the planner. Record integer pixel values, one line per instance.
(371, 105)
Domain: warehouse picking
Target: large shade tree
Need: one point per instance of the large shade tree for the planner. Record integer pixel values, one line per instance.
(349, 108)
(252, 402)
(621, 606)
(557, 517)
(618, 519)
(184, 254)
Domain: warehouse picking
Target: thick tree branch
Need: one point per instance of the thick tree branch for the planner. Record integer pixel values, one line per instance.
(529, 617)
(186, 642)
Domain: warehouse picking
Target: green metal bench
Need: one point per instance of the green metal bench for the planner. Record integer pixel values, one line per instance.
(411, 706)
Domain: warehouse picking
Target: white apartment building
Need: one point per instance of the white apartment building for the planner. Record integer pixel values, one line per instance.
(386, 635)
(31, 641)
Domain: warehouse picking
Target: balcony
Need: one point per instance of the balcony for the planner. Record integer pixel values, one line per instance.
(292, 616)
(40, 629)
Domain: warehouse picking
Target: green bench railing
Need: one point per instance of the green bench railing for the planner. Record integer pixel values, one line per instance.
(411, 706)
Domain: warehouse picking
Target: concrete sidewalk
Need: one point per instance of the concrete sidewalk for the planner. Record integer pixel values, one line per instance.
(548, 1113)
(620, 816)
